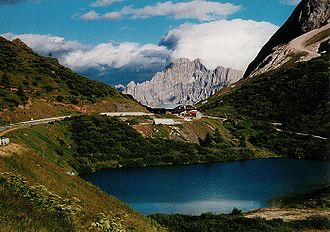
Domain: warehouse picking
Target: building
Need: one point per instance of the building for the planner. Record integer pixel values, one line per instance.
(4, 141)
(181, 110)
(164, 121)
(163, 108)
(194, 114)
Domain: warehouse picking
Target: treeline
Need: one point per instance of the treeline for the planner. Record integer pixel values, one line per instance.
(101, 141)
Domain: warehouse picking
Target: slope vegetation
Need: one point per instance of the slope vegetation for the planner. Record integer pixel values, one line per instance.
(39, 191)
(32, 86)
(287, 109)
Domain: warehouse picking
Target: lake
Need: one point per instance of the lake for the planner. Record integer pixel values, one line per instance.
(195, 189)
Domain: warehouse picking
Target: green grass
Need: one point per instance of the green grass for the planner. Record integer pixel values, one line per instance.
(296, 96)
(319, 198)
(39, 178)
(88, 143)
(18, 214)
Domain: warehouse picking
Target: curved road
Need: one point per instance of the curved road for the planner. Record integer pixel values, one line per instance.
(5, 129)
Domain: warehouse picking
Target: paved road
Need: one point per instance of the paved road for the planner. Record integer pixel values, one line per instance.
(33, 122)
(53, 119)
(297, 133)
(126, 114)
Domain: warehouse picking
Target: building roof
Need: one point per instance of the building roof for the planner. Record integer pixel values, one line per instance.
(167, 106)
(193, 112)
(164, 121)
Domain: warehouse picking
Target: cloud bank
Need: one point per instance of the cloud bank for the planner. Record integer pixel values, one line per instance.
(227, 43)
(43, 44)
(198, 9)
(126, 54)
(113, 63)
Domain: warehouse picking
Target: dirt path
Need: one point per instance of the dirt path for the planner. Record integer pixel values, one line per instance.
(287, 214)
(299, 43)
(3, 133)
(296, 133)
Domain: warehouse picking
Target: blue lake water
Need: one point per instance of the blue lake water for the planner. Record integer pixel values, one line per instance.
(220, 187)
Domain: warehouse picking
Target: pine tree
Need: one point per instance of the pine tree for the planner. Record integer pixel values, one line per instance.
(217, 137)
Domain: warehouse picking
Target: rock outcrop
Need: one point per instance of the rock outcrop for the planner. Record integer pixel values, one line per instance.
(21, 44)
(309, 15)
(182, 82)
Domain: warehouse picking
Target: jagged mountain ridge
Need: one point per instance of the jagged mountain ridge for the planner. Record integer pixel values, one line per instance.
(182, 82)
(309, 15)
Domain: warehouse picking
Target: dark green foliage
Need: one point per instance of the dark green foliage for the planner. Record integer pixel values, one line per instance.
(236, 212)
(45, 77)
(101, 142)
(207, 141)
(319, 198)
(5, 81)
(298, 97)
(217, 137)
(110, 141)
(209, 222)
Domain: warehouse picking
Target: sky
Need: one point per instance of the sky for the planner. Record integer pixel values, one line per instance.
(117, 41)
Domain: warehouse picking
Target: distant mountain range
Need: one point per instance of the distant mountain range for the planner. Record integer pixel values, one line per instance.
(182, 82)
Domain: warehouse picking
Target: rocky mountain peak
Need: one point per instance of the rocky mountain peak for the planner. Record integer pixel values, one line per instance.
(20, 43)
(308, 16)
(182, 82)
(313, 14)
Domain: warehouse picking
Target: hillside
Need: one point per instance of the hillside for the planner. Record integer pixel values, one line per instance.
(39, 191)
(39, 172)
(88, 143)
(287, 109)
(32, 86)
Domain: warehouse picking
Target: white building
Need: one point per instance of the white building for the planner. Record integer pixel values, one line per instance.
(4, 141)
(163, 121)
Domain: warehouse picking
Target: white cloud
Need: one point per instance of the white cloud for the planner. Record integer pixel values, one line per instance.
(90, 16)
(104, 55)
(44, 44)
(127, 54)
(290, 2)
(197, 9)
(227, 43)
(98, 3)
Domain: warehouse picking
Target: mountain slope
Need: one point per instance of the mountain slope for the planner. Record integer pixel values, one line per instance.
(308, 16)
(288, 107)
(35, 86)
(283, 101)
(182, 82)
(34, 173)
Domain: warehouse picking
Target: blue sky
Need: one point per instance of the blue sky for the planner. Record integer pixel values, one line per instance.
(76, 28)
